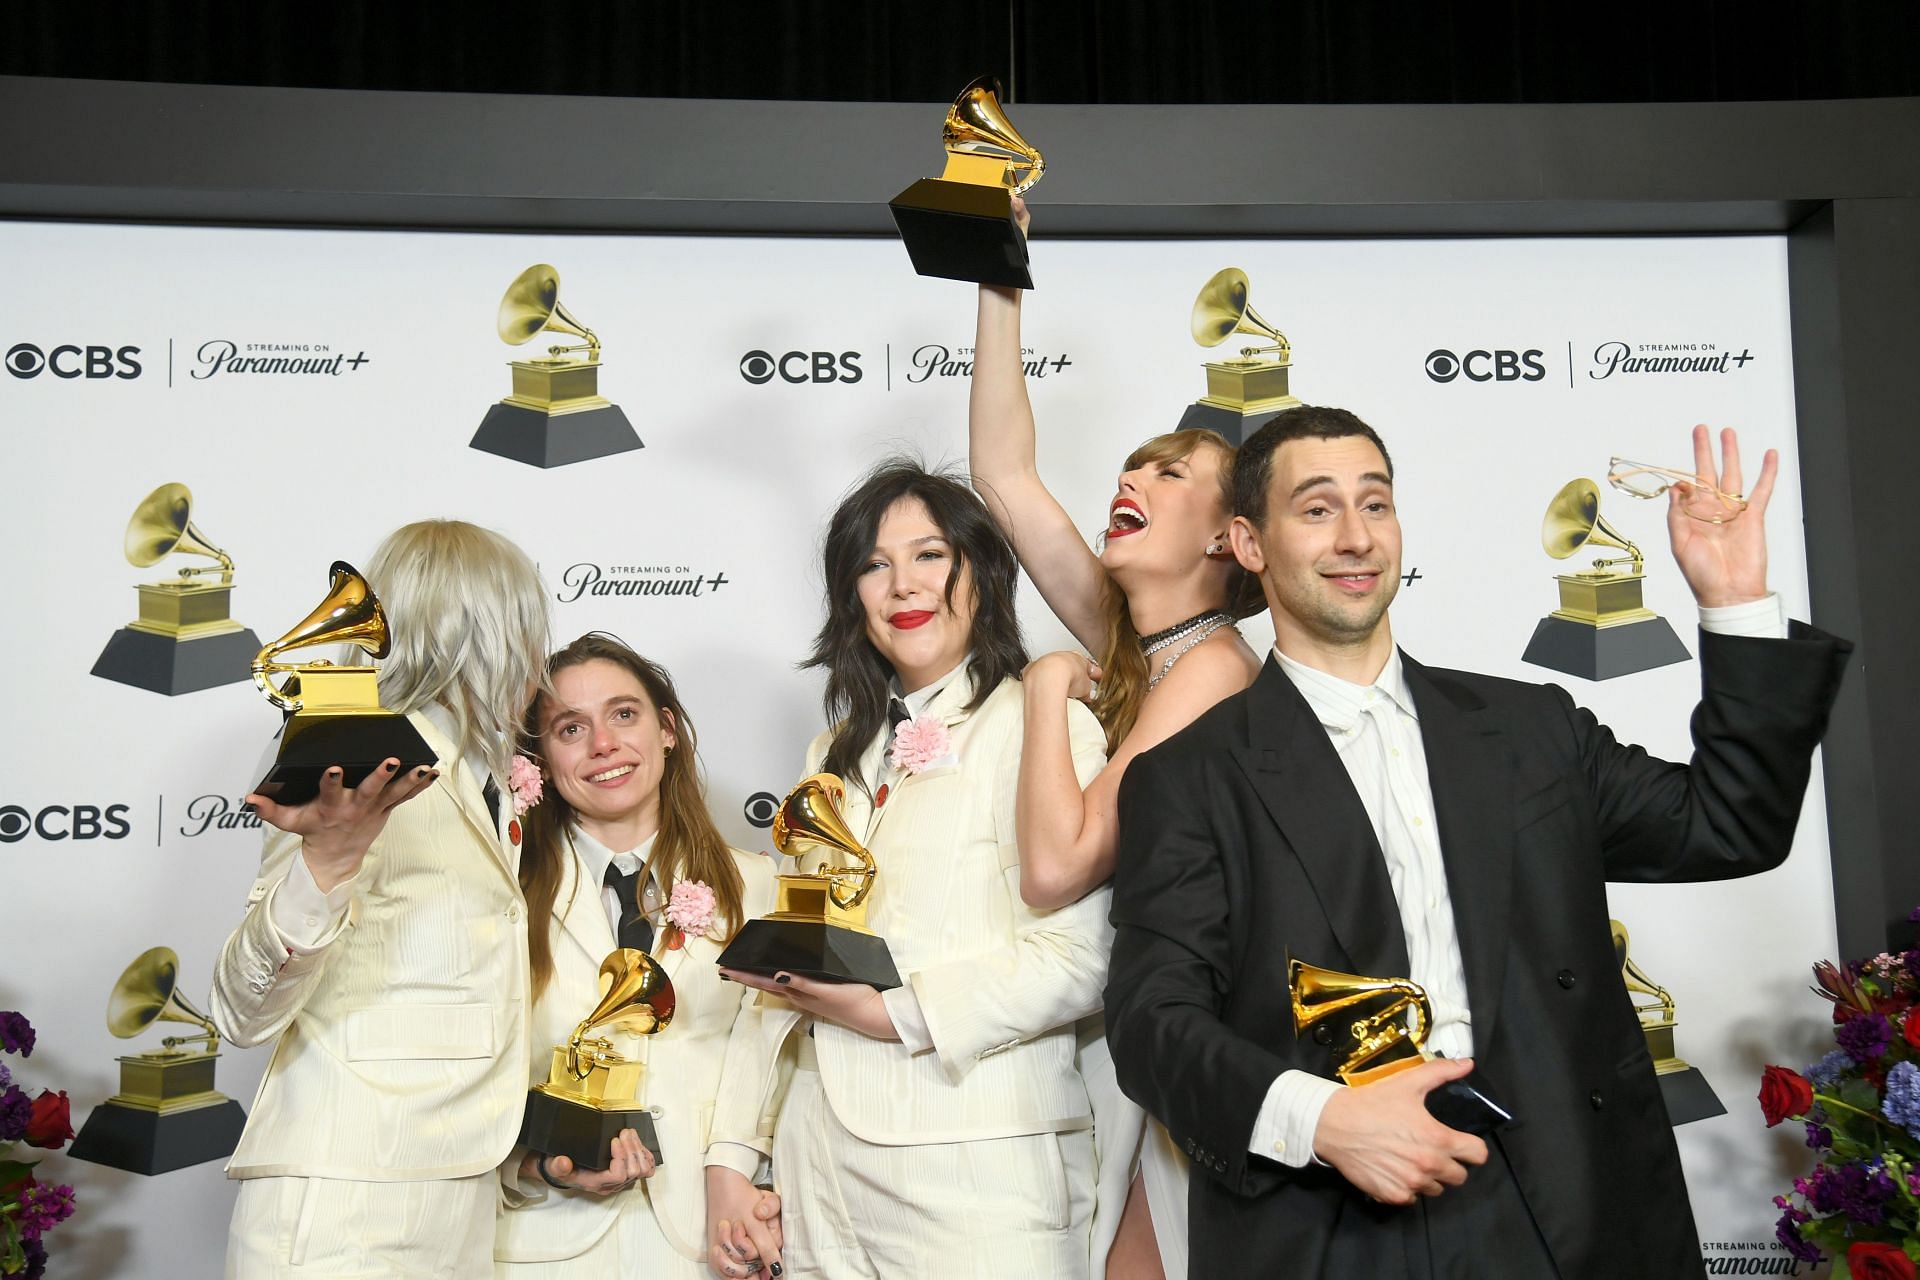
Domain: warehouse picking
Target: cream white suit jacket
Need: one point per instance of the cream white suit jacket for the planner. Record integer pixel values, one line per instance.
(1000, 984)
(715, 1030)
(400, 1043)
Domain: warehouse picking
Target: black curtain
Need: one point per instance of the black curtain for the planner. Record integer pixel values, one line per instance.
(1149, 51)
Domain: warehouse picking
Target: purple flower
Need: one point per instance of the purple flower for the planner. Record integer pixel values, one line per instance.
(1825, 1073)
(43, 1207)
(1912, 961)
(1787, 1232)
(36, 1260)
(16, 1033)
(1851, 1189)
(1819, 1137)
(1913, 916)
(16, 1109)
(1864, 1036)
(1902, 1103)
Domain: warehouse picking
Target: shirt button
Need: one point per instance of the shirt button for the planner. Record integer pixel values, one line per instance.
(1432, 902)
(313, 922)
(513, 911)
(1396, 751)
(1419, 822)
(1565, 978)
(1280, 1148)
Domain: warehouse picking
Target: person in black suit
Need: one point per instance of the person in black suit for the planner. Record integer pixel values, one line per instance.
(1361, 812)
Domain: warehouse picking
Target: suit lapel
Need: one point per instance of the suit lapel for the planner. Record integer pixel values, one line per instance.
(1305, 788)
(1470, 771)
(466, 791)
(949, 705)
(585, 920)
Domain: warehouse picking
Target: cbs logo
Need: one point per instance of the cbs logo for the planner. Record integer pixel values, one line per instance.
(59, 822)
(24, 360)
(760, 809)
(1507, 366)
(761, 367)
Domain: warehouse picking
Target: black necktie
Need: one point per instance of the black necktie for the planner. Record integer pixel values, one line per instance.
(897, 714)
(635, 930)
(491, 793)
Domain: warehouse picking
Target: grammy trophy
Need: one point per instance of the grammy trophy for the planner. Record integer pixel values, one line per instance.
(1241, 394)
(960, 225)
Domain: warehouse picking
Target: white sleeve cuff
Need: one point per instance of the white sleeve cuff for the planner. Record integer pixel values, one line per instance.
(909, 1020)
(737, 1156)
(1284, 1129)
(1763, 619)
(305, 918)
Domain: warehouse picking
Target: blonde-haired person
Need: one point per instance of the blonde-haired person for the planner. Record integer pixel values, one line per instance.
(384, 950)
(1157, 605)
(620, 851)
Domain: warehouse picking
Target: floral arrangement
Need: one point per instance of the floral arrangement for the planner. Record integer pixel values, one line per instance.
(1861, 1106)
(919, 742)
(523, 780)
(690, 907)
(29, 1208)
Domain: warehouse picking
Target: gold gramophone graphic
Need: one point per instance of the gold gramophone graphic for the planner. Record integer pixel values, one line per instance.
(960, 225)
(167, 1114)
(183, 639)
(592, 1090)
(556, 413)
(1687, 1094)
(1602, 628)
(1242, 394)
(334, 716)
(818, 927)
(1377, 1027)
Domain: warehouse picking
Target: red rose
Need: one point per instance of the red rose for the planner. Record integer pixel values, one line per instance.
(1911, 1029)
(51, 1124)
(1784, 1093)
(1872, 1260)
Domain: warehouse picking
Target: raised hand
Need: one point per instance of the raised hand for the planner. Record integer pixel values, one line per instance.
(1723, 563)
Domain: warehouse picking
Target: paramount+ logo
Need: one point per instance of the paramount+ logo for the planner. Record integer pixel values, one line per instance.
(64, 822)
(801, 367)
(1486, 366)
(70, 360)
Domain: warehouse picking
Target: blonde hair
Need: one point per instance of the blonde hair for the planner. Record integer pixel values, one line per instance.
(1123, 668)
(469, 623)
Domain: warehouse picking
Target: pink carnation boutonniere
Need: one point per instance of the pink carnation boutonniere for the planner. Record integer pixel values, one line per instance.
(523, 779)
(690, 908)
(918, 742)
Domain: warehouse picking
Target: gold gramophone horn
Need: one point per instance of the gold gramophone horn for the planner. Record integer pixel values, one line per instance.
(811, 815)
(1637, 981)
(148, 992)
(1323, 993)
(531, 305)
(635, 996)
(1221, 310)
(1573, 521)
(351, 614)
(976, 125)
(160, 526)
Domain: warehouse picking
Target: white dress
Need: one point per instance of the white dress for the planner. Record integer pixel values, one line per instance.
(1127, 1141)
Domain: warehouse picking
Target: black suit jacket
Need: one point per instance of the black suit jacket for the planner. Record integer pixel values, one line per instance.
(1242, 839)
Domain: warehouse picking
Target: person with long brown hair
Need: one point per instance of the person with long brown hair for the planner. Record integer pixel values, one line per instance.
(1157, 606)
(619, 851)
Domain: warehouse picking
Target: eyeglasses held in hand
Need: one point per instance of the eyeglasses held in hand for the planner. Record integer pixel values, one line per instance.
(1698, 499)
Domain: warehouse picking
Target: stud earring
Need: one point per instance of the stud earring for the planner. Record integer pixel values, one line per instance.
(1216, 549)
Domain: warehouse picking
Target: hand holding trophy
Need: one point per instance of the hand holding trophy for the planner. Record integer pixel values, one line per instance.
(961, 225)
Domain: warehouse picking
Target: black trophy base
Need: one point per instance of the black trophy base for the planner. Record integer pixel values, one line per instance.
(555, 1127)
(962, 231)
(1601, 653)
(1236, 426)
(548, 440)
(172, 666)
(812, 949)
(1464, 1105)
(1689, 1097)
(358, 743)
(149, 1142)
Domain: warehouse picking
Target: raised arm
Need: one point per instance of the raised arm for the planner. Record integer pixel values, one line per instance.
(1068, 837)
(1000, 435)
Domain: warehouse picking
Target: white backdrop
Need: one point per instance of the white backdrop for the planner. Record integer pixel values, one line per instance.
(290, 471)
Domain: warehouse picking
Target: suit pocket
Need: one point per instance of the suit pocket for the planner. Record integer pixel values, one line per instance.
(1542, 804)
(390, 1032)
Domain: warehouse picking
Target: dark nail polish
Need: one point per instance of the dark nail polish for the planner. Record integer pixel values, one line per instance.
(392, 766)
(782, 979)
(725, 978)
(773, 1268)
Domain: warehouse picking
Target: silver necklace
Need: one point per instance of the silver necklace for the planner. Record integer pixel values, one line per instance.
(1207, 628)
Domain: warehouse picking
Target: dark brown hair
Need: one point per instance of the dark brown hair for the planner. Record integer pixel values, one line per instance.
(688, 846)
(1253, 468)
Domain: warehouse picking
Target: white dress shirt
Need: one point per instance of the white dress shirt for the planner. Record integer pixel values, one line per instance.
(595, 858)
(1375, 729)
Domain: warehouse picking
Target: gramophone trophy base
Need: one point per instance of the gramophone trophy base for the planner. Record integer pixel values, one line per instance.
(1242, 396)
(1457, 1104)
(963, 231)
(357, 740)
(558, 1124)
(1602, 653)
(166, 1116)
(555, 416)
(1687, 1094)
(810, 934)
(176, 665)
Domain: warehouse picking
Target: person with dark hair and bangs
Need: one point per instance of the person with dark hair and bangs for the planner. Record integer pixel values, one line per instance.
(1157, 607)
(940, 1128)
(619, 851)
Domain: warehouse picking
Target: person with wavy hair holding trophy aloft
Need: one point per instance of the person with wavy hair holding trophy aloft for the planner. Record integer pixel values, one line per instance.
(621, 852)
(384, 948)
(940, 1128)
(1157, 605)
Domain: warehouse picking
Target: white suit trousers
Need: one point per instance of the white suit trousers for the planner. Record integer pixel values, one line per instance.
(295, 1228)
(994, 1209)
(633, 1246)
